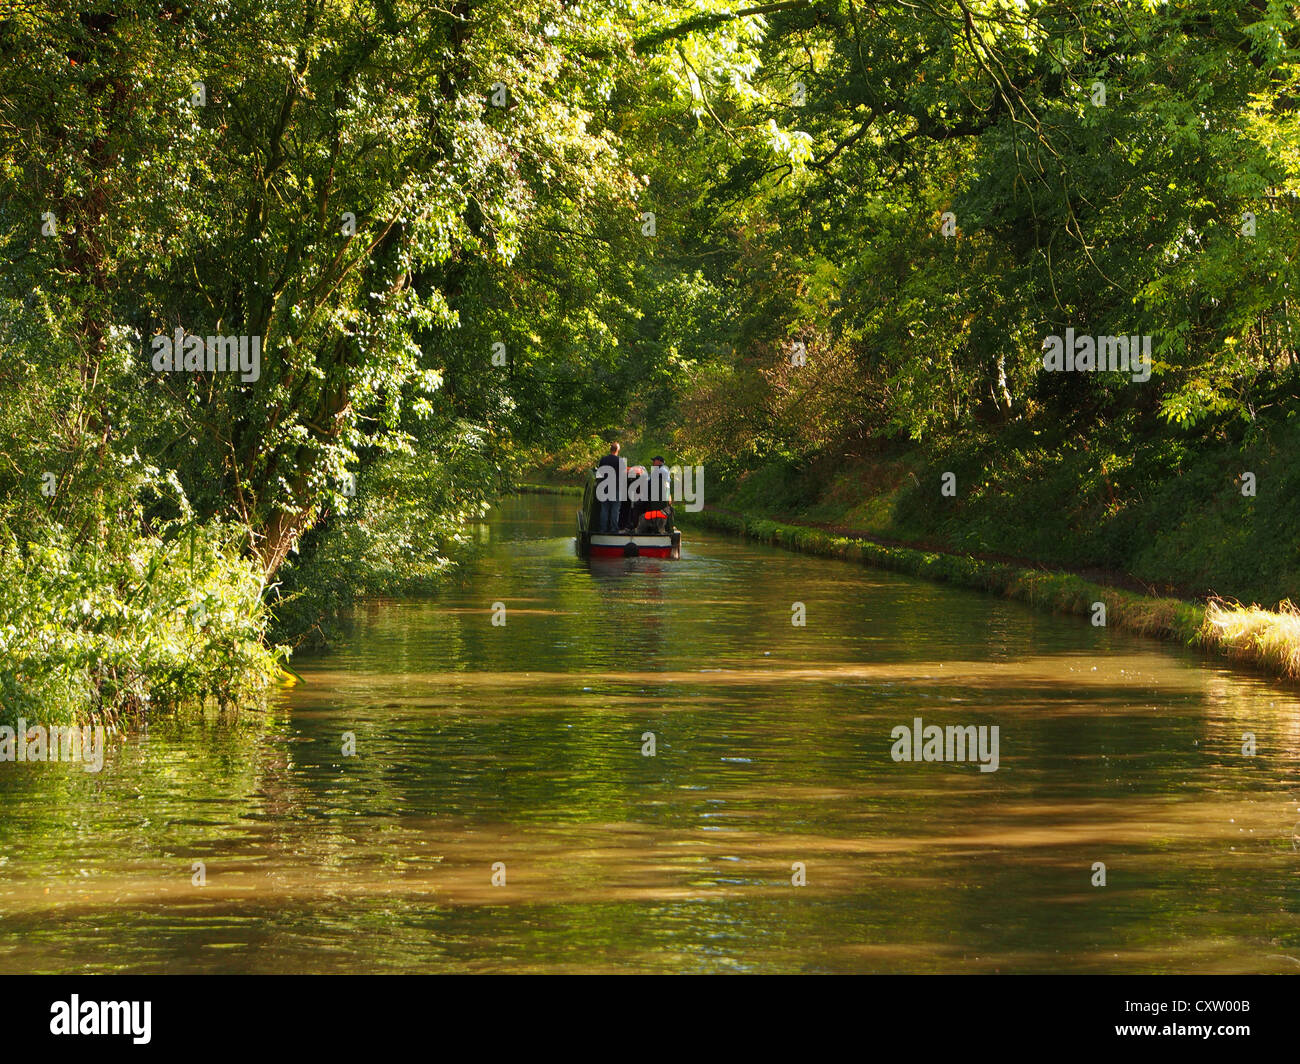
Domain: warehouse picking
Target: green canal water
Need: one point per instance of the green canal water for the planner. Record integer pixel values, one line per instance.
(520, 746)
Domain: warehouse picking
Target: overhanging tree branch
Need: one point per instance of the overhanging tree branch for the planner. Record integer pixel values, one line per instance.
(653, 39)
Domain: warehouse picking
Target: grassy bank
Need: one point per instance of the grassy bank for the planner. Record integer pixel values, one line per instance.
(1167, 511)
(1260, 638)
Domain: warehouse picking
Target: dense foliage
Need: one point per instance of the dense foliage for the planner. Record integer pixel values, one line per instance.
(472, 235)
(915, 197)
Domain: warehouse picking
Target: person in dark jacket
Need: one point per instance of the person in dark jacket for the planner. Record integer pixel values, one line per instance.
(610, 490)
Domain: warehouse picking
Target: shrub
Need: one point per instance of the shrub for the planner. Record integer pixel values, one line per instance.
(111, 626)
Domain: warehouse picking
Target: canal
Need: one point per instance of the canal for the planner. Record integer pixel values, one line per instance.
(627, 766)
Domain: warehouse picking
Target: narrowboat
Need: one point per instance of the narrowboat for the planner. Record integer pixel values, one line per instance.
(593, 544)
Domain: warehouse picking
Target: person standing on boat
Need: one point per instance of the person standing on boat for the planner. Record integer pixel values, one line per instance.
(611, 478)
(656, 515)
(638, 491)
(662, 483)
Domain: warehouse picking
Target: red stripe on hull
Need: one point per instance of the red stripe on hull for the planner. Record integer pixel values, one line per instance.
(642, 552)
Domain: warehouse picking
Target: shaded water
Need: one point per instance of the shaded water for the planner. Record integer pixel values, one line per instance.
(522, 744)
